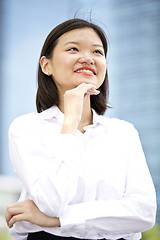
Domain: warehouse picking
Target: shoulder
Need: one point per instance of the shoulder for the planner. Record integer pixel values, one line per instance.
(24, 120)
(23, 123)
(117, 125)
(34, 117)
(34, 122)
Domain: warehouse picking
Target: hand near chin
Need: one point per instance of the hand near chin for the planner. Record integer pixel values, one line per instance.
(28, 211)
(74, 100)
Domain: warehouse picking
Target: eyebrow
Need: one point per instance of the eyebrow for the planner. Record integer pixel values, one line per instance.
(98, 45)
(77, 43)
(72, 43)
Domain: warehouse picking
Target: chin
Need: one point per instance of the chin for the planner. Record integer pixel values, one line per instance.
(88, 81)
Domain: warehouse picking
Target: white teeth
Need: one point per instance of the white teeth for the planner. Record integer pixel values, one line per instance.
(84, 70)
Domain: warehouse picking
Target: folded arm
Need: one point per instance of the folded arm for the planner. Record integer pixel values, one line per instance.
(134, 212)
(28, 211)
(49, 174)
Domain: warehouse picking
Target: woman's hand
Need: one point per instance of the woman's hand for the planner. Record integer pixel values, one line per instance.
(28, 211)
(73, 106)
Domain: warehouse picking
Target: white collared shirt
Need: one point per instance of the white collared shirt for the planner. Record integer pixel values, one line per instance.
(97, 183)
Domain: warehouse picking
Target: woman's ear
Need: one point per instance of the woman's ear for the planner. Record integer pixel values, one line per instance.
(45, 65)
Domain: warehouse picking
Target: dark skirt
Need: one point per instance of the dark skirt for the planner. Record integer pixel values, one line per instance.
(47, 236)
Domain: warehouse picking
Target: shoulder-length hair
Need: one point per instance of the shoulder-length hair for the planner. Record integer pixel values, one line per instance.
(47, 92)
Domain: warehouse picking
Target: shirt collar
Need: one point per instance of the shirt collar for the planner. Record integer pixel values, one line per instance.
(98, 119)
(54, 112)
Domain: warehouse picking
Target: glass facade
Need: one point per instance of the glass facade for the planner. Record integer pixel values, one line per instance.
(133, 30)
(135, 71)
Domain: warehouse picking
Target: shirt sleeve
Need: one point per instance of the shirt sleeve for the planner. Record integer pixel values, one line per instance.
(134, 212)
(49, 175)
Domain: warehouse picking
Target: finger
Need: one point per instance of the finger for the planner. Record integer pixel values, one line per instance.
(8, 216)
(93, 92)
(17, 204)
(15, 210)
(16, 218)
(11, 211)
(84, 87)
(87, 89)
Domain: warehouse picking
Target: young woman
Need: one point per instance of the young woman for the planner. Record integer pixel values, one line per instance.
(84, 175)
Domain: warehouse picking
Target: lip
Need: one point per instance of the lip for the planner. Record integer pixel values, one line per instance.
(87, 68)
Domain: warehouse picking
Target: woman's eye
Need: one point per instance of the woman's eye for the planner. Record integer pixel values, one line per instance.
(74, 49)
(98, 52)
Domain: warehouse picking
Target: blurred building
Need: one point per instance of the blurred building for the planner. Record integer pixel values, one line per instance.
(135, 70)
(133, 30)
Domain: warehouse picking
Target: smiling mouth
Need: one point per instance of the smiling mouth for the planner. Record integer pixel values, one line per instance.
(86, 71)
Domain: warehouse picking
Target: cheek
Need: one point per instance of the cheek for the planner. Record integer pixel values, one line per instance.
(58, 68)
(102, 73)
(103, 67)
(58, 64)
(64, 65)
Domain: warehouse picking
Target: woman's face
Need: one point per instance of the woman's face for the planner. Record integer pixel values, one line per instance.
(78, 58)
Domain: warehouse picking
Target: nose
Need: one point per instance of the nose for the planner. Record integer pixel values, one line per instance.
(86, 60)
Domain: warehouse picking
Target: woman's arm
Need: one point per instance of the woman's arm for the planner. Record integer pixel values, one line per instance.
(134, 212)
(47, 162)
(74, 101)
(28, 211)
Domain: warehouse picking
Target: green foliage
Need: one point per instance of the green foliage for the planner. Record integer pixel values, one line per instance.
(152, 234)
(4, 235)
